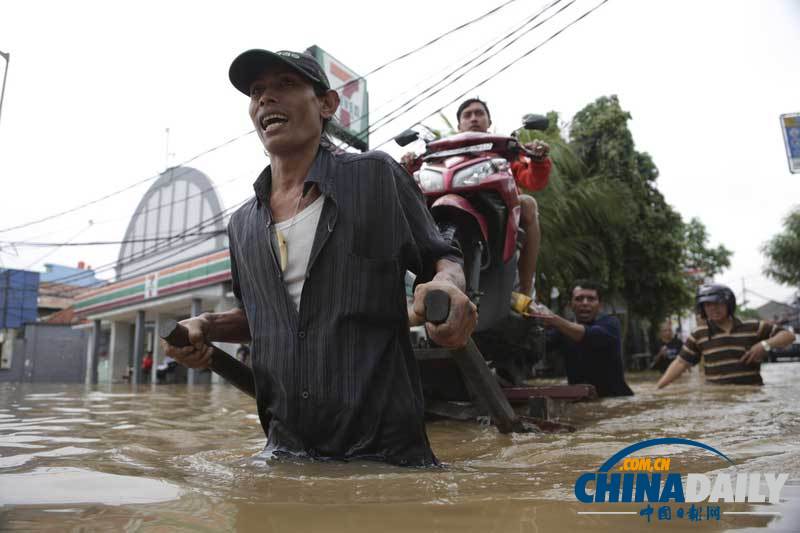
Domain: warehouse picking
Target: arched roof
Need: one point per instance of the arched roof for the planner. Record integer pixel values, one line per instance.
(174, 221)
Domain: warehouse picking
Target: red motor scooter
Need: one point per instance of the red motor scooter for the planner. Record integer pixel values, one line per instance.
(472, 195)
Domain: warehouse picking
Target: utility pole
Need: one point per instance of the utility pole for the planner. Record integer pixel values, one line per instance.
(744, 294)
(7, 57)
(167, 153)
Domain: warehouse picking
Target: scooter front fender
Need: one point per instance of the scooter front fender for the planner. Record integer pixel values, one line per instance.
(454, 201)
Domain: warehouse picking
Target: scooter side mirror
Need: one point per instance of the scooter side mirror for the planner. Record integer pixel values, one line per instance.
(535, 122)
(407, 137)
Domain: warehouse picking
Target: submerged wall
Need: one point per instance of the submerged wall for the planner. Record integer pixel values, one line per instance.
(47, 353)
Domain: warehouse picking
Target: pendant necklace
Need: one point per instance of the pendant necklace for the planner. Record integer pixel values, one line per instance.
(283, 248)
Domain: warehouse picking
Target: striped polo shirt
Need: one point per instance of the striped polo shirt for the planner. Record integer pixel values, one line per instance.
(720, 351)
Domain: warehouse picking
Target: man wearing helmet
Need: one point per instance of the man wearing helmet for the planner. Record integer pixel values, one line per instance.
(731, 349)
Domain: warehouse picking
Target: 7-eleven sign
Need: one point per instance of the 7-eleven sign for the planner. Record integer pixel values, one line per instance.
(352, 119)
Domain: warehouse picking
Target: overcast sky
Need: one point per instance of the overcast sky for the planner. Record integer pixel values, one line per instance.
(92, 86)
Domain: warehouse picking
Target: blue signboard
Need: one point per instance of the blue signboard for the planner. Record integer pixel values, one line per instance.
(790, 124)
(19, 294)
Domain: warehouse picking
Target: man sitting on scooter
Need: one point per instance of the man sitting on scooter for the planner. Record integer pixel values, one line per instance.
(530, 173)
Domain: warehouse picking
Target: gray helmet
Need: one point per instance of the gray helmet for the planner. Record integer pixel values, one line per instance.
(715, 292)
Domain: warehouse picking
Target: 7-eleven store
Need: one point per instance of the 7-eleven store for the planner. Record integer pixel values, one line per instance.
(174, 280)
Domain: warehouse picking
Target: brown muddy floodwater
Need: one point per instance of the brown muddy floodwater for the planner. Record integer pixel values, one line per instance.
(175, 458)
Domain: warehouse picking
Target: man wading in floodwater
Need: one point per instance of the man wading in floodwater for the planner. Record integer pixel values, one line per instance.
(318, 258)
(591, 345)
(731, 349)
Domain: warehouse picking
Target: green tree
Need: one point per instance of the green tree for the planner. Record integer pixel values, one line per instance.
(698, 255)
(646, 265)
(573, 209)
(783, 252)
(745, 313)
(603, 217)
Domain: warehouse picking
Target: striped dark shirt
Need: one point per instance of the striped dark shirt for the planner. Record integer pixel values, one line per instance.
(338, 378)
(720, 351)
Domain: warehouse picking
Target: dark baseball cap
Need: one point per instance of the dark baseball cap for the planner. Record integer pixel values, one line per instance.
(252, 63)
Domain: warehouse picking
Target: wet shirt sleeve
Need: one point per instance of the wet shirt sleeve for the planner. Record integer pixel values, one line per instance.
(236, 287)
(674, 347)
(766, 330)
(690, 352)
(552, 338)
(425, 235)
(603, 334)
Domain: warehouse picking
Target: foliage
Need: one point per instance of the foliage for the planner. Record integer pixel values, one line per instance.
(451, 130)
(783, 252)
(697, 254)
(442, 132)
(602, 217)
(648, 271)
(745, 313)
(571, 209)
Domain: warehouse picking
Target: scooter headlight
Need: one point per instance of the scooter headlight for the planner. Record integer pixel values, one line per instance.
(473, 175)
(430, 180)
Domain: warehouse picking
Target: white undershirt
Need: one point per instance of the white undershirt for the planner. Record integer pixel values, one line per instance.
(298, 233)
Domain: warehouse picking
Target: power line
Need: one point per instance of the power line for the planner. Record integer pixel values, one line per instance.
(48, 233)
(506, 67)
(69, 293)
(133, 273)
(23, 244)
(92, 223)
(172, 203)
(440, 89)
(176, 202)
(425, 78)
(124, 189)
(399, 110)
(380, 67)
(751, 291)
(156, 249)
(140, 268)
(54, 250)
(429, 43)
(159, 248)
(405, 107)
